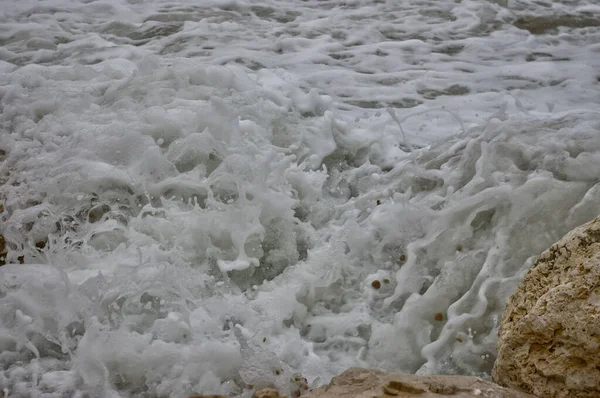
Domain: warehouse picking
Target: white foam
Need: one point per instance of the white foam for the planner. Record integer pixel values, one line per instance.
(210, 196)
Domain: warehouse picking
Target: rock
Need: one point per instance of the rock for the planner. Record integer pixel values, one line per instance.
(267, 393)
(549, 337)
(365, 383)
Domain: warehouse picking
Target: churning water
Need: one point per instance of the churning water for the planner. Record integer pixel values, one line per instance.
(199, 196)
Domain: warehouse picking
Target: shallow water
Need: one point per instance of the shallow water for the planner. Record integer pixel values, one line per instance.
(203, 196)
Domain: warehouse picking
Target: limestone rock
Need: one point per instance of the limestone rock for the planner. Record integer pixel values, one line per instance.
(267, 393)
(549, 338)
(364, 383)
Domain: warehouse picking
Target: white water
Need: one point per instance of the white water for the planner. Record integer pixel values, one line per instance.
(192, 166)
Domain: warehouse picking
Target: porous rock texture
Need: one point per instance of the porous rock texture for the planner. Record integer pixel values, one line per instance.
(549, 337)
(365, 383)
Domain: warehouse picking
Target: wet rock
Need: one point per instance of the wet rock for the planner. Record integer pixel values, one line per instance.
(365, 383)
(549, 338)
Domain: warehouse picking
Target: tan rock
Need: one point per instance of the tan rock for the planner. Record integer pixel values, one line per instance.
(549, 338)
(267, 393)
(364, 383)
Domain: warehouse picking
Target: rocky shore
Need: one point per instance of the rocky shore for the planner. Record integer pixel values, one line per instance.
(549, 338)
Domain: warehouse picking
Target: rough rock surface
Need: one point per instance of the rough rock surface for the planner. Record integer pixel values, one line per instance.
(549, 338)
(365, 383)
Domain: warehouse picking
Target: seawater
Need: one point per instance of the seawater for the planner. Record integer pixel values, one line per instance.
(203, 196)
